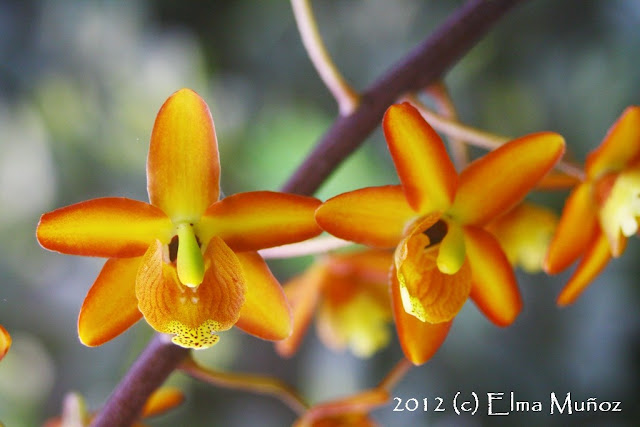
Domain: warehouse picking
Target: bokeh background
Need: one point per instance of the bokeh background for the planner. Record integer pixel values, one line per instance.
(81, 82)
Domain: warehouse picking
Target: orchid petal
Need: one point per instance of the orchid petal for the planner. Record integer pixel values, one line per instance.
(428, 176)
(111, 306)
(161, 401)
(493, 184)
(575, 230)
(349, 411)
(419, 340)
(494, 289)
(192, 314)
(620, 147)
(374, 216)
(183, 167)
(5, 342)
(594, 261)
(302, 292)
(265, 312)
(107, 227)
(427, 293)
(260, 219)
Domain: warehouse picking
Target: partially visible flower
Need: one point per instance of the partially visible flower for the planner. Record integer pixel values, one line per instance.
(351, 411)
(354, 310)
(5, 342)
(76, 414)
(524, 234)
(602, 211)
(186, 261)
(436, 220)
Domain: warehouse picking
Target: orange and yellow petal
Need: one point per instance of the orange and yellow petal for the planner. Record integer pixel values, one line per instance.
(494, 289)
(493, 184)
(427, 293)
(577, 226)
(265, 312)
(260, 219)
(111, 306)
(107, 227)
(162, 400)
(524, 234)
(303, 293)
(183, 167)
(192, 315)
(419, 340)
(5, 342)
(428, 176)
(620, 147)
(594, 261)
(374, 216)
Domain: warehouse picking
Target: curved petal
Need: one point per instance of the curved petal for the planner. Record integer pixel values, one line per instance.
(111, 306)
(374, 216)
(493, 184)
(161, 401)
(595, 260)
(620, 147)
(260, 219)
(193, 315)
(419, 340)
(183, 167)
(427, 293)
(428, 176)
(494, 289)
(577, 226)
(108, 227)
(302, 292)
(265, 312)
(5, 342)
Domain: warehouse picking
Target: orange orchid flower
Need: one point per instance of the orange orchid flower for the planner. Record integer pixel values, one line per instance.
(524, 233)
(5, 342)
(75, 412)
(602, 211)
(436, 220)
(354, 308)
(351, 411)
(186, 261)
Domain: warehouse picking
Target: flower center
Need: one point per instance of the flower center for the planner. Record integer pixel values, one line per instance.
(188, 256)
(621, 209)
(436, 233)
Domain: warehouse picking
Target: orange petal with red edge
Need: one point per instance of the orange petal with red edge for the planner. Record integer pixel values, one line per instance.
(374, 216)
(302, 292)
(183, 167)
(620, 147)
(419, 340)
(265, 312)
(595, 260)
(577, 226)
(108, 227)
(162, 400)
(427, 293)
(260, 219)
(494, 289)
(493, 184)
(428, 176)
(5, 342)
(193, 315)
(111, 306)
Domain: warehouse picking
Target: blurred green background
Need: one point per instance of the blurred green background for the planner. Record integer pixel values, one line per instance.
(81, 82)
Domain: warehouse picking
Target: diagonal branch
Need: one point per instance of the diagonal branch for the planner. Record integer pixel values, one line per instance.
(422, 66)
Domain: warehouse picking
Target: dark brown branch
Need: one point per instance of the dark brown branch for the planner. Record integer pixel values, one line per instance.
(153, 366)
(425, 64)
(422, 66)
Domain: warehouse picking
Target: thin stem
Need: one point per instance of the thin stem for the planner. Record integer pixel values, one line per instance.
(344, 94)
(477, 137)
(153, 366)
(314, 246)
(395, 375)
(252, 383)
(444, 105)
(421, 67)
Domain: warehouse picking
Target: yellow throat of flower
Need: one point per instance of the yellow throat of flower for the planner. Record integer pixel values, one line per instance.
(621, 209)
